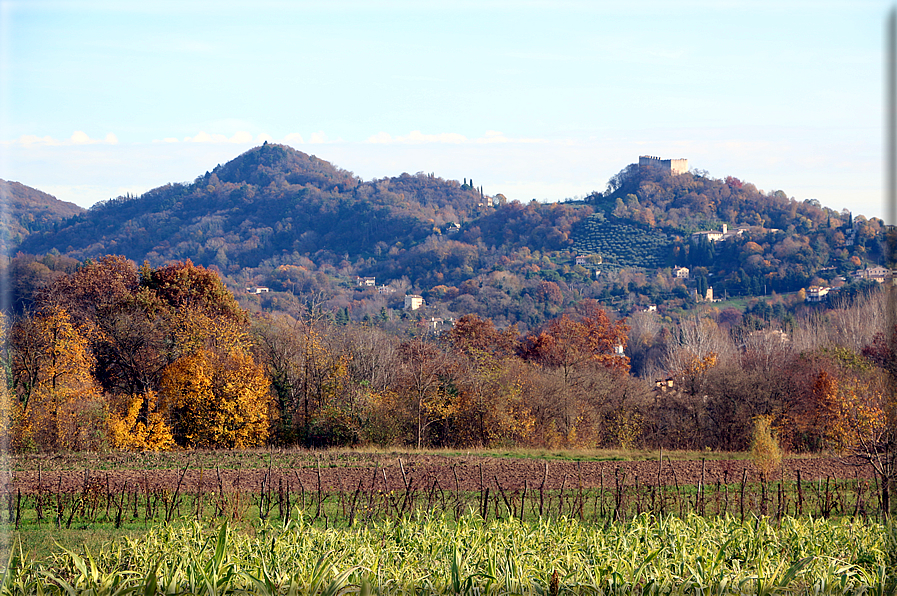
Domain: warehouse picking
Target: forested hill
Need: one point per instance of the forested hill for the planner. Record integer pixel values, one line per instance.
(28, 210)
(295, 224)
(272, 200)
(691, 202)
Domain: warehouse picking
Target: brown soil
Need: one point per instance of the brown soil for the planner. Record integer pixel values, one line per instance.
(385, 472)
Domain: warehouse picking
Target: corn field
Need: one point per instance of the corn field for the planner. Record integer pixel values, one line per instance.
(398, 532)
(434, 554)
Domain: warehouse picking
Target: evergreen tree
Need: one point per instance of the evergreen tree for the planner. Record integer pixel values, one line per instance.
(702, 286)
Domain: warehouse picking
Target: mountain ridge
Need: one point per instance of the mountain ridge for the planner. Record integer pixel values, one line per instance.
(279, 218)
(27, 210)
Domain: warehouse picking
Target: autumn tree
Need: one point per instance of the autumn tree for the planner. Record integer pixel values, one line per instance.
(310, 380)
(219, 399)
(215, 392)
(59, 404)
(880, 448)
(583, 354)
(140, 329)
(423, 371)
(128, 342)
(490, 408)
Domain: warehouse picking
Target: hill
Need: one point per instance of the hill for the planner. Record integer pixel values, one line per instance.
(28, 210)
(776, 241)
(299, 226)
(272, 200)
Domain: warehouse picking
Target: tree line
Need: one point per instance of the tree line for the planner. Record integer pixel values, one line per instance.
(112, 356)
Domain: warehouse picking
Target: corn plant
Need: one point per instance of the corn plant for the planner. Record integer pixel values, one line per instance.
(440, 555)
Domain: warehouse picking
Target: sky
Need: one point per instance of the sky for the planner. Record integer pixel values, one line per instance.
(537, 100)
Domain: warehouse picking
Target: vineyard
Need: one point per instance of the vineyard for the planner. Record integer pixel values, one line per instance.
(602, 493)
(451, 525)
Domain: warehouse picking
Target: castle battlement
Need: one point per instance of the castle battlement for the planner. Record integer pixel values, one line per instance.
(674, 166)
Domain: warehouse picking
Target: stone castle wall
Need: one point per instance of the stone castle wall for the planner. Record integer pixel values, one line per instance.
(674, 166)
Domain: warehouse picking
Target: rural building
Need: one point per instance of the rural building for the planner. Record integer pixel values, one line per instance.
(879, 274)
(439, 326)
(708, 297)
(413, 301)
(681, 272)
(368, 282)
(817, 293)
(718, 235)
(257, 290)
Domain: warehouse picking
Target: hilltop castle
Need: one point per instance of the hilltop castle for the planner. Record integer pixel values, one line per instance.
(674, 166)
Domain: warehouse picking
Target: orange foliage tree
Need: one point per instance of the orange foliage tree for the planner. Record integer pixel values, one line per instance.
(582, 356)
(490, 408)
(107, 358)
(59, 405)
(219, 398)
(851, 406)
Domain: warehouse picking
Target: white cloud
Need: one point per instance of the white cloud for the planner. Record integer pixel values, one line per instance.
(318, 137)
(381, 137)
(27, 140)
(293, 138)
(494, 136)
(204, 137)
(79, 137)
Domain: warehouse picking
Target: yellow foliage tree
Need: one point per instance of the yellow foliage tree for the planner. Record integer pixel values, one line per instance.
(765, 451)
(60, 406)
(852, 407)
(130, 431)
(219, 399)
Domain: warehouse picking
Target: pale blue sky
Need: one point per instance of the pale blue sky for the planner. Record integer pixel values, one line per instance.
(542, 100)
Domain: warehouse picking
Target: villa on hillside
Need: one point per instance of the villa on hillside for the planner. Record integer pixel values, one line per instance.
(718, 235)
(879, 274)
(413, 301)
(681, 272)
(817, 293)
